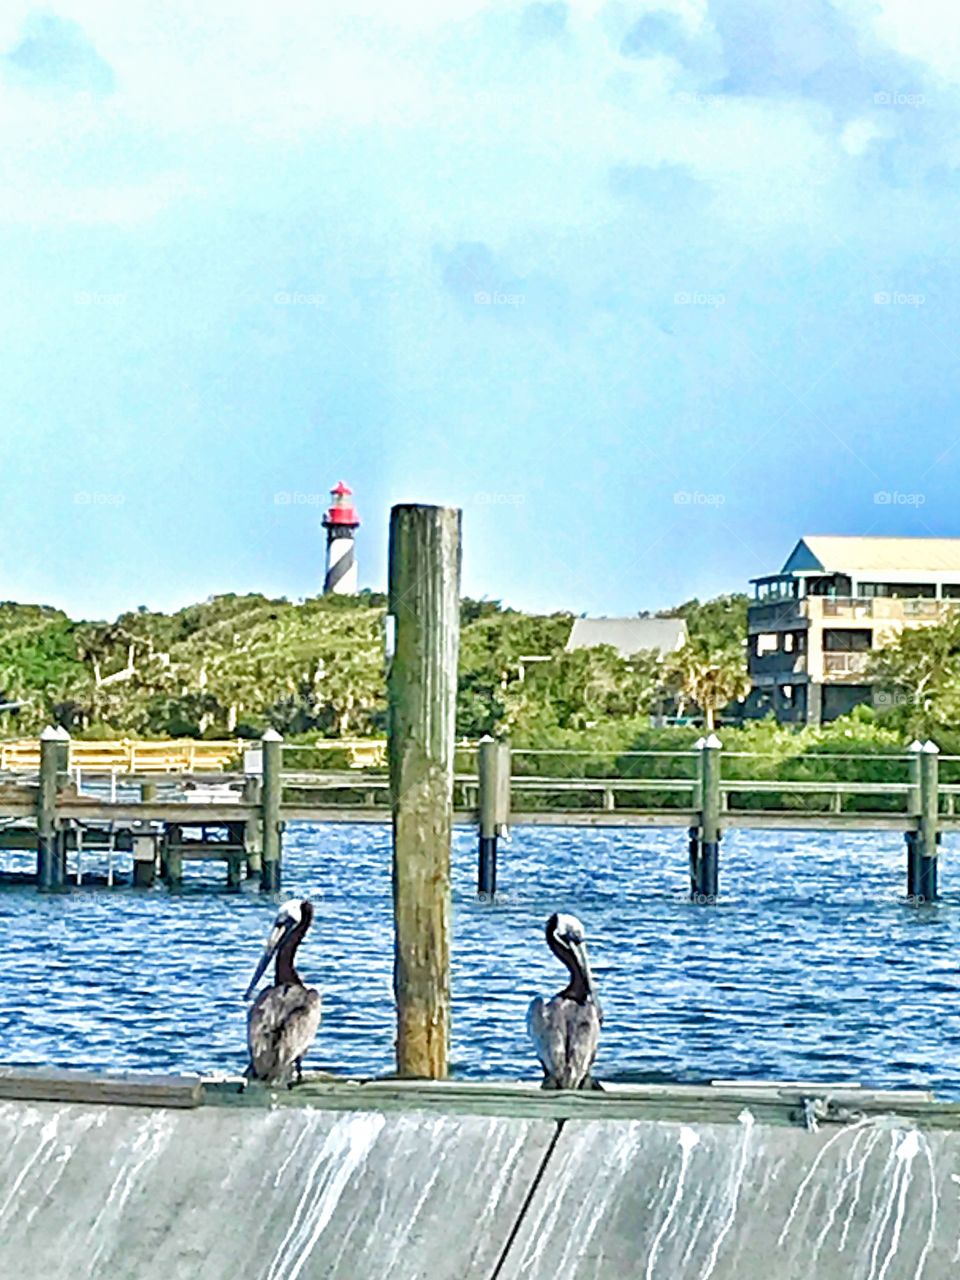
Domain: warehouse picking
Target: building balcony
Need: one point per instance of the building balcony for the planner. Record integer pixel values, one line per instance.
(838, 666)
(776, 615)
(778, 664)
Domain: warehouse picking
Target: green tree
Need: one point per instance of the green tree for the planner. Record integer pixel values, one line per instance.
(708, 675)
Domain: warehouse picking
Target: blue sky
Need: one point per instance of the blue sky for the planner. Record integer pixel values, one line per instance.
(649, 289)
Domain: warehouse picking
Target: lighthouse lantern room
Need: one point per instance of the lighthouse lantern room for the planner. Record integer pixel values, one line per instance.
(341, 523)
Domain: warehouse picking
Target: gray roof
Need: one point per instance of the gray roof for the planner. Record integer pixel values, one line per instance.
(628, 635)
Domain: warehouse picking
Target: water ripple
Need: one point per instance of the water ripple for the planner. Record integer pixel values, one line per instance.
(811, 965)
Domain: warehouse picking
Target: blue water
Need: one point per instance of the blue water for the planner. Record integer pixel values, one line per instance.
(811, 966)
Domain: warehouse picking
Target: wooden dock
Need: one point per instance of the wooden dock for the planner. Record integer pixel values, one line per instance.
(59, 800)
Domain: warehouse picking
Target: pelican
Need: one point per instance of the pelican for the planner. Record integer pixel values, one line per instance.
(566, 1029)
(284, 1018)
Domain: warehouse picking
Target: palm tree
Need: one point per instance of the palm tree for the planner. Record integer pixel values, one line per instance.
(710, 677)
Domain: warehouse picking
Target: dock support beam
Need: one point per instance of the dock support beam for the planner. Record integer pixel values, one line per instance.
(270, 874)
(493, 776)
(705, 860)
(49, 851)
(424, 604)
(926, 867)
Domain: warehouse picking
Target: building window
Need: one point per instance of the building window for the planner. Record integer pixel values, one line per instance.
(768, 642)
(951, 590)
(901, 590)
(846, 639)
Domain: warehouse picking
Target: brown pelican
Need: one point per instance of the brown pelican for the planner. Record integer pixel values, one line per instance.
(283, 1020)
(566, 1029)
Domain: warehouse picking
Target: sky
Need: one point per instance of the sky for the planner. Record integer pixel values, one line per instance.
(649, 290)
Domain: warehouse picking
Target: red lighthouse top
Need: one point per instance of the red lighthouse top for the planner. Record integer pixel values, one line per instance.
(341, 510)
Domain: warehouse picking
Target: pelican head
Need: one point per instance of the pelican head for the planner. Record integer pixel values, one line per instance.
(291, 914)
(566, 938)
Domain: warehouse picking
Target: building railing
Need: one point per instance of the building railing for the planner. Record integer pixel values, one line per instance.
(846, 664)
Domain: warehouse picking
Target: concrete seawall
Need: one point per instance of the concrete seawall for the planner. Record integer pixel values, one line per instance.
(377, 1181)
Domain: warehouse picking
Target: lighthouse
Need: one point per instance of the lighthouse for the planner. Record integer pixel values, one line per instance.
(341, 523)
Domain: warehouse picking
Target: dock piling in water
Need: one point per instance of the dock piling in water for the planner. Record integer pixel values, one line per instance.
(270, 873)
(493, 779)
(49, 853)
(705, 871)
(424, 603)
(929, 835)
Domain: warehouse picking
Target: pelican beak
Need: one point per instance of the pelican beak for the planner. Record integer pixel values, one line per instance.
(277, 935)
(579, 949)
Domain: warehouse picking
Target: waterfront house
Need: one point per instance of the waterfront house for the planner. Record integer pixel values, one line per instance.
(813, 626)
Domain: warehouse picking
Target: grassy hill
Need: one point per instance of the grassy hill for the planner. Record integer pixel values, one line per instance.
(235, 664)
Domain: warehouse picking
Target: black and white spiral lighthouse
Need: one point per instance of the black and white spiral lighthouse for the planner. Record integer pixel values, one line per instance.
(341, 523)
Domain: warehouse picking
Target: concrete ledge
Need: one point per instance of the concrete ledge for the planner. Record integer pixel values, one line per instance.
(193, 1180)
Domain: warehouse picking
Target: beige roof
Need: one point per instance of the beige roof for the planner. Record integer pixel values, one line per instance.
(875, 555)
(628, 635)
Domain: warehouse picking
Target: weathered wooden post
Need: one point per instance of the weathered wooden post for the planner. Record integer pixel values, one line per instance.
(493, 778)
(270, 874)
(144, 858)
(172, 859)
(707, 867)
(424, 603)
(929, 821)
(912, 838)
(251, 828)
(49, 857)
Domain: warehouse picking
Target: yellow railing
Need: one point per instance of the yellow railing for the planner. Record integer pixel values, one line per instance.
(127, 756)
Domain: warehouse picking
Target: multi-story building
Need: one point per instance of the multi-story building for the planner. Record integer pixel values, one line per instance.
(813, 626)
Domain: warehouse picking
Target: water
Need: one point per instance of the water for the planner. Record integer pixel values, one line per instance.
(811, 967)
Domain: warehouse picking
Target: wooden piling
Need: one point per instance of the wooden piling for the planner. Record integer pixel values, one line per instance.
(173, 857)
(926, 889)
(251, 829)
(707, 874)
(912, 838)
(493, 777)
(270, 872)
(49, 855)
(424, 603)
(144, 858)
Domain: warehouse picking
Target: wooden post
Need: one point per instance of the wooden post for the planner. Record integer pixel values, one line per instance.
(929, 821)
(173, 856)
(144, 858)
(493, 777)
(708, 877)
(270, 874)
(912, 838)
(424, 603)
(251, 829)
(49, 858)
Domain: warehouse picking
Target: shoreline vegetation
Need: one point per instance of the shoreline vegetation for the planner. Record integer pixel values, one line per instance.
(235, 665)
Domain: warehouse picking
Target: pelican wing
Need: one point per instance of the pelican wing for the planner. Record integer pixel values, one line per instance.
(281, 1027)
(565, 1035)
